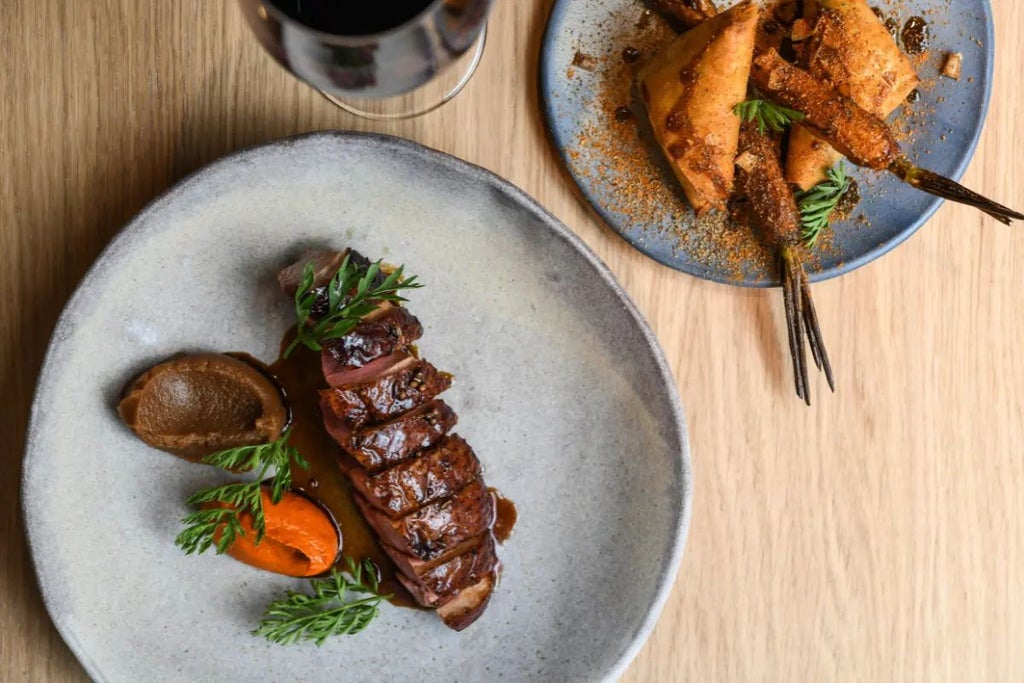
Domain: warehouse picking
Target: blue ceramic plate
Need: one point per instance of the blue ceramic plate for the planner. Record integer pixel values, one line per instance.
(617, 165)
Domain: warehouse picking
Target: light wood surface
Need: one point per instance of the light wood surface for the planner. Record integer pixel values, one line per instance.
(876, 536)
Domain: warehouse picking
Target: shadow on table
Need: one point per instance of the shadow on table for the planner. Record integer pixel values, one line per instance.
(69, 229)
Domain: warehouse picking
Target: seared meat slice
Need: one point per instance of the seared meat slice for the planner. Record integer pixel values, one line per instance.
(434, 530)
(386, 330)
(337, 375)
(379, 446)
(414, 566)
(325, 265)
(469, 604)
(409, 485)
(440, 584)
(405, 385)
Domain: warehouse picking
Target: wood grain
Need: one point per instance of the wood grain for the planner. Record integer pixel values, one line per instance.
(876, 536)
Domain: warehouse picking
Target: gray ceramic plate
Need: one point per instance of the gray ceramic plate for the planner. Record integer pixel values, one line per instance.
(561, 388)
(619, 169)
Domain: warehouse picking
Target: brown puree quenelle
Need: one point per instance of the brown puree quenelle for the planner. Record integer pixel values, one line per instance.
(195, 405)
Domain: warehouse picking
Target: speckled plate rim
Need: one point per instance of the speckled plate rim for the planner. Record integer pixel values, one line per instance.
(547, 68)
(476, 174)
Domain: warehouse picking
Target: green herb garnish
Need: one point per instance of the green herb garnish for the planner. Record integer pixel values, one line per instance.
(329, 611)
(351, 295)
(818, 203)
(201, 526)
(767, 114)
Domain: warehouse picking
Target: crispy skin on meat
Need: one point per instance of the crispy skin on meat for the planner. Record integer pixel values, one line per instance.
(440, 583)
(414, 566)
(435, 474)
(380, 446)
(417, 487)
(390, 329)
(435, 529)
(860, 136)
(406, 385)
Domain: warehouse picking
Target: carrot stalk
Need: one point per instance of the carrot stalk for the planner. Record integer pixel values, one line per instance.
(817, 343)
(937, 185)
(789, 299)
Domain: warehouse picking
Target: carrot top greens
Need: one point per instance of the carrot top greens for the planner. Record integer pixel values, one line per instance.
(769, 116)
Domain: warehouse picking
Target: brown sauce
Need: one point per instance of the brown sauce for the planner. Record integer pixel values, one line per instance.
(505, 516)
(916, 35)
(301, 378)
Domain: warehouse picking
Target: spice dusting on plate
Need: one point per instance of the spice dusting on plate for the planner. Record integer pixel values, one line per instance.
(584, 61)
(620, 152)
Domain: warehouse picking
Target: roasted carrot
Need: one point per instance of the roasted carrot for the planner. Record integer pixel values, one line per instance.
(850, 47)
(760, 179)
(859, 135)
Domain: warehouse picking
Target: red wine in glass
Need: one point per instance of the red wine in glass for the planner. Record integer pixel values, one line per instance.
(367, 50)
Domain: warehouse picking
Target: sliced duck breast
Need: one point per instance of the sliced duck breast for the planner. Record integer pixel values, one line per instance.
(389, 329)
(403, 386)
(377, 447)
(436, 474)
(441, 583)
(437, 528)
(469, 604)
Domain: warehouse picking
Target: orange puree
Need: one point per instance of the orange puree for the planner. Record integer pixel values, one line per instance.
(300, 540)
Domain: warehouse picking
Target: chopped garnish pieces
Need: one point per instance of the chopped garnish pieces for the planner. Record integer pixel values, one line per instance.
(954, 65)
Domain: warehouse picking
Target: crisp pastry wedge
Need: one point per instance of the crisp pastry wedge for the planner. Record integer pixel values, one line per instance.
(690, 89)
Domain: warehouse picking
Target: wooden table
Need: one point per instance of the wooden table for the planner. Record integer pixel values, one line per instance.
(876, 536)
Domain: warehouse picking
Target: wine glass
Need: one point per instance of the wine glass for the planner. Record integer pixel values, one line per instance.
(388, 59)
